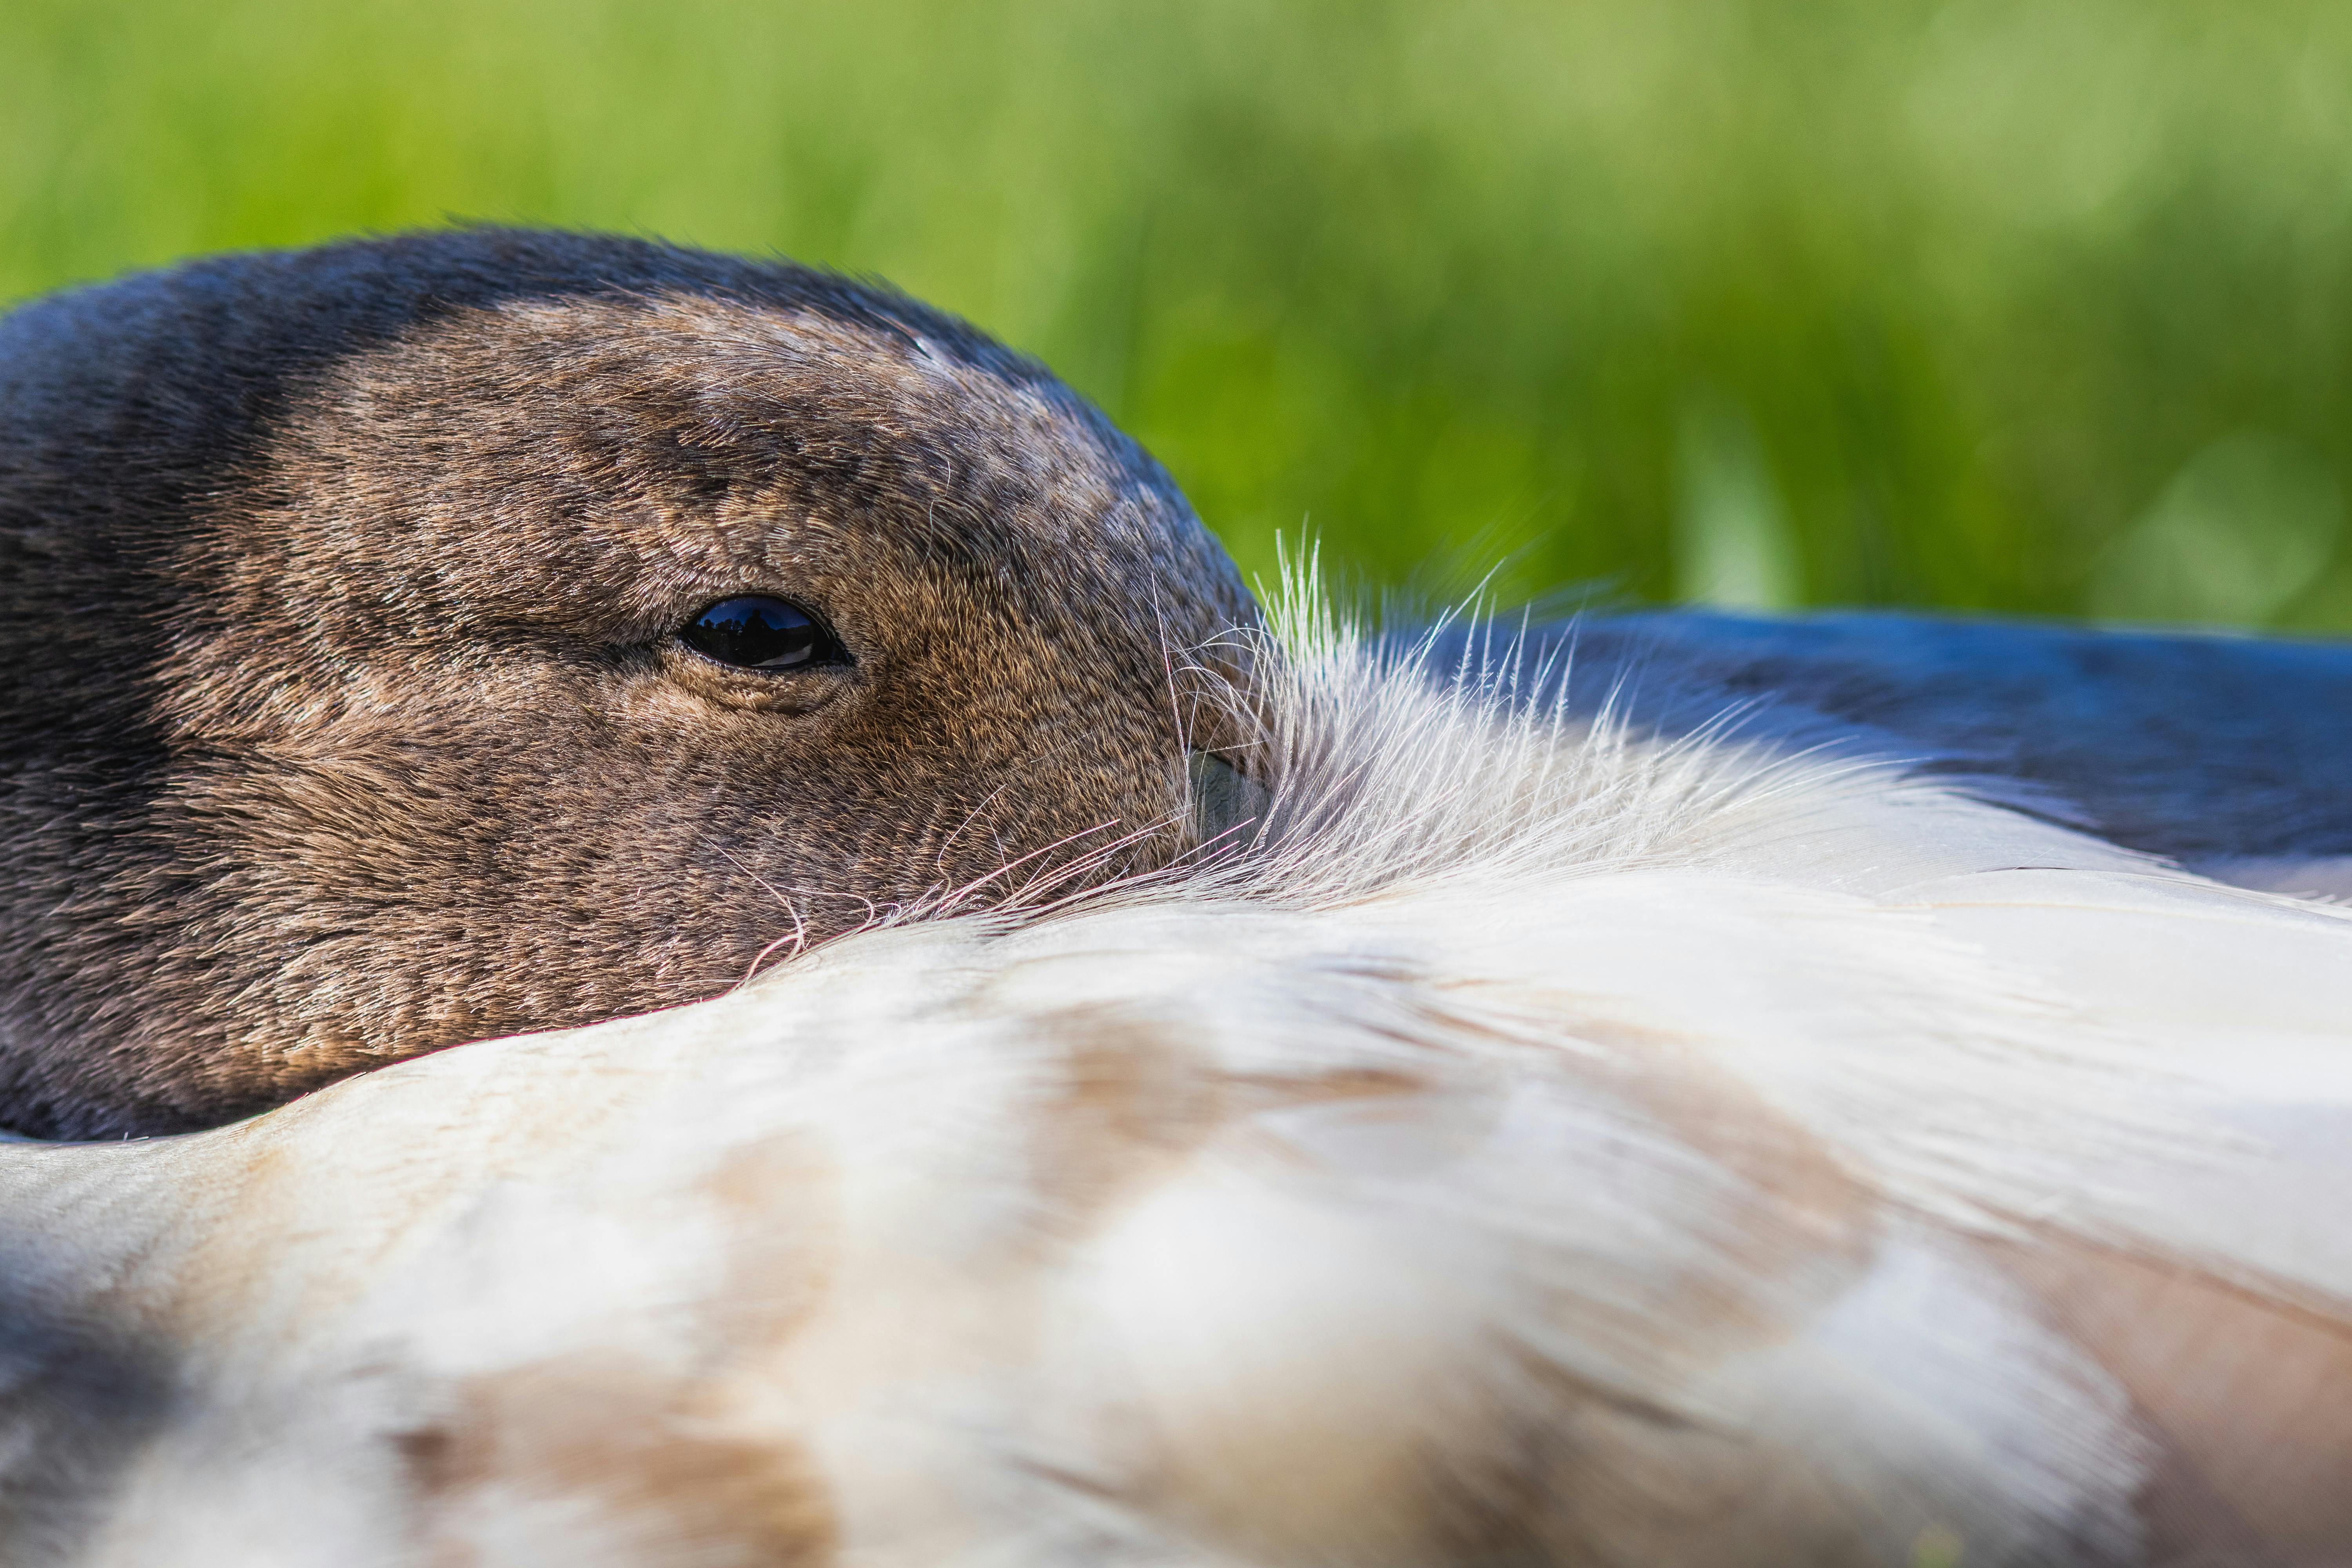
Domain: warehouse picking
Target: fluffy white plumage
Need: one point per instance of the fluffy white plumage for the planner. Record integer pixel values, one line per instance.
(1534, 1143)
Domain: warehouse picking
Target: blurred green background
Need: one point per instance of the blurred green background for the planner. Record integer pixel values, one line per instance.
(2041, 307)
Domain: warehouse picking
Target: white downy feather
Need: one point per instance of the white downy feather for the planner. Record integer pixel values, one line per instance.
(1530, 1142)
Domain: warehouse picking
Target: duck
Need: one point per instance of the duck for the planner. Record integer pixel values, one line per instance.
(1657, 1091)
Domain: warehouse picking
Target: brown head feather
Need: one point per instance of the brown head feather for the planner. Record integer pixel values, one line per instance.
(345, 713)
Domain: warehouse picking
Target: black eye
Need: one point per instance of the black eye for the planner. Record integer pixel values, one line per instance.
(756, 631)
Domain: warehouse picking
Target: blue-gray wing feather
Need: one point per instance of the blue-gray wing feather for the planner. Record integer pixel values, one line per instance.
(2183, 744)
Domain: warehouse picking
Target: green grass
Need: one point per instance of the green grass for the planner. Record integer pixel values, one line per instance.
(2041, 306)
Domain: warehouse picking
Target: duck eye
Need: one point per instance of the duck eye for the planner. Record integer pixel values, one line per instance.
(756, 631)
